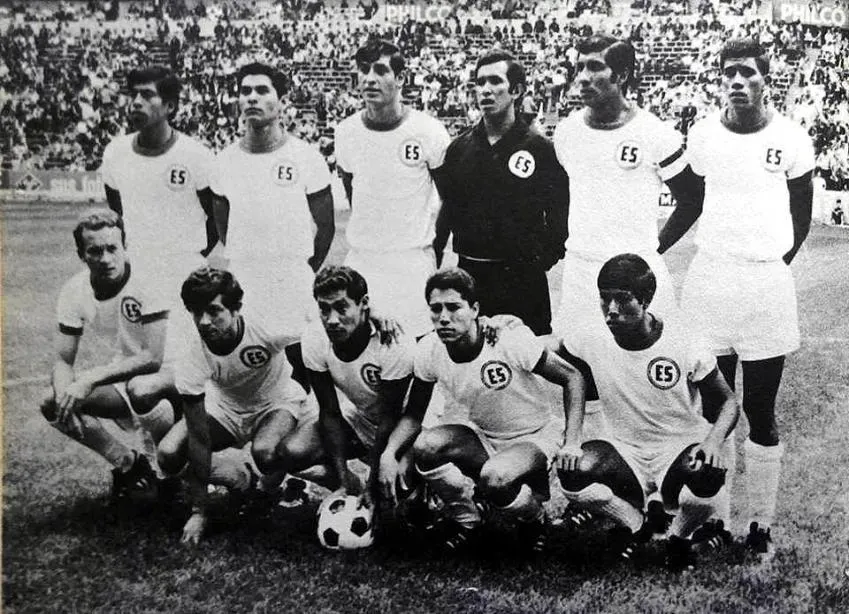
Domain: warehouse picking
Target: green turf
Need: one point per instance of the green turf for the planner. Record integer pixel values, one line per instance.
(62, 552)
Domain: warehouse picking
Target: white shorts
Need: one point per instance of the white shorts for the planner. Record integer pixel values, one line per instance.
(364, 429)
(243, 425)
(743, 308)
(579, 300)
(396, 283)
(549, 438)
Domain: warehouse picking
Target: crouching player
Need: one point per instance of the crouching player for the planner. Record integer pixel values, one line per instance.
(95, 303)
(236, 387)
(653, 380)
(506, 424)
(344, 351)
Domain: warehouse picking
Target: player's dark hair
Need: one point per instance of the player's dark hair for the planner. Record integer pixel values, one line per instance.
(618, 54)
(96, 219)
(335, 278)
(738, 48)
(278, 80)
(515, 71)
(204, 284)
(375, 49)
(628, 272)
(453, 278)
(167, 84)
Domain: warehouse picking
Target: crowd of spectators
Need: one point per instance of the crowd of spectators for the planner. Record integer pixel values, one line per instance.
(61, 96)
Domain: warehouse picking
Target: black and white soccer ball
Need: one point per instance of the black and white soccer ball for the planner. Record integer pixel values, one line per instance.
(345, 523)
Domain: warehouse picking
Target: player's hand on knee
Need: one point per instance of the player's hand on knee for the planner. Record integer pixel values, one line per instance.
(72, 398)
(707, 454)
(492, 326)
(568, 457)
(194, 528)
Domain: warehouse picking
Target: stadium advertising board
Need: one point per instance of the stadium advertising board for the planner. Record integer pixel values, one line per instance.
(825, 14)
(64, 184)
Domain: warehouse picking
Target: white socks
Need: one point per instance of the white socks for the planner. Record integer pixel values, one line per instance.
(456, 490)
(600, 498)
(695, 511)
(763, 471)
(91, 433)
(525, 507)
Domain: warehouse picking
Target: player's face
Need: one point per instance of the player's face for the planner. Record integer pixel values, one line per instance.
(258, 100)
(147, 108)
(379, 85)
(104, 254)
(215, 322)
(341, 315)
(596, 81)
(742, 83)
(453, 317)
(623, 313)
(492, 89)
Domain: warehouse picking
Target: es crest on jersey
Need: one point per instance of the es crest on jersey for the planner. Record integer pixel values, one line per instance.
(284, 173)
(177, 177)
(371, 375)
(496, 375)
(775, 157)
(663, 373)
(254, 356)
(628, 155)
(131, 309)
(411, 153)
(522, 164)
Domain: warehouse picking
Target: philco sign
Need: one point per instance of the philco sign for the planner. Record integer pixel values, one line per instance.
(829, 15)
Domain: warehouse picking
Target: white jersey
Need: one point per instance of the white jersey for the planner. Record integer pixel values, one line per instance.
(650, 395)
(269, 212)
(502, 395)
(615, 179)
(395, 202)
(360, 378)
(746, 212)
(120, 318)
(161, 211)
(253, 377)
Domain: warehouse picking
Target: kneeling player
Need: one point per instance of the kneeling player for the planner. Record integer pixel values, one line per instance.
(236, 388)
(344, 351)
(509, 421)
(653, 380)
(95, 302)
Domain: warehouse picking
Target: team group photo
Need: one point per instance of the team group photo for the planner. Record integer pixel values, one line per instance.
(414, 307)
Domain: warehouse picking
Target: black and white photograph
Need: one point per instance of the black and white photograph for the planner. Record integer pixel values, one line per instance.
(477, 306)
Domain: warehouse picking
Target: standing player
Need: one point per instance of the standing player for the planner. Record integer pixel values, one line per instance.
(387, 156)
(273, 187)
(757, 168)
(157, 179)
(105, 298)
(510, 421)
(617, 156)
(344, 351)
(505, 199)
(235, 388)
(653, 379)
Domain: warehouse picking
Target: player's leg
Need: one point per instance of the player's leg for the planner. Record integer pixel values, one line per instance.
(449, 457)
(153, 398)
(763, 450)
(727, 364)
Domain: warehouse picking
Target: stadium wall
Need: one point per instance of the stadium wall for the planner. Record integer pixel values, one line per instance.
(82, 186)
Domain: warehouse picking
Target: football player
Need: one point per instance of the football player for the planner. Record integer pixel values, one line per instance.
(387, 155)
(653, 378)
(507, 421)
(757, 167)
(106, 297)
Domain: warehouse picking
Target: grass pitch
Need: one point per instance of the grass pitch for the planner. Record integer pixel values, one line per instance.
(62, 552)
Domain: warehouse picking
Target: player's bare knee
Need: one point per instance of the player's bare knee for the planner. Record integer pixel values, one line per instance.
(427, 448)
(705, 482)
(169, 457)
(139, 392)
(589, 467)
(495, 479)
(266, 458)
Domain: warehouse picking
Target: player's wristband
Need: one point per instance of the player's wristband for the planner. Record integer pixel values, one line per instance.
(572, 450)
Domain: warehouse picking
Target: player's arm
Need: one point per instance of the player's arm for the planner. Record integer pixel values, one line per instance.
(556, 216)
(558, 371)
(206, 198)
(347, 183)
(67, 343)
(688, 190)
(199, 465)
(801, 200)
(391, 394)
(331, 424)
(321, 208)
(113, 199)
(718, 400)
(442, 181)
(403, 435)
(220, 216)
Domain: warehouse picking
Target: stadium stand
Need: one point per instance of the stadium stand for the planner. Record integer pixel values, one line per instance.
(63, 63)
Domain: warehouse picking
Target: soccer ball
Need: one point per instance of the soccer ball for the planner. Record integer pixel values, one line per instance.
(344, 523)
